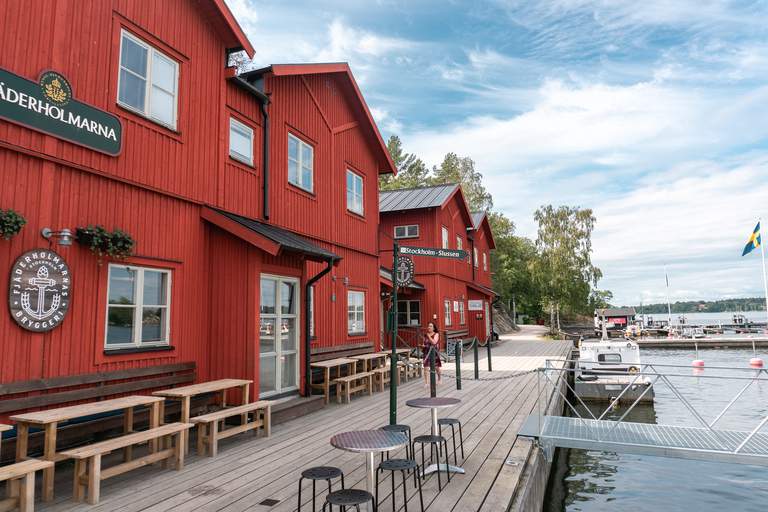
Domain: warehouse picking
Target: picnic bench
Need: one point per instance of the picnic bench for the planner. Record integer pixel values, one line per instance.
(326, 367)
(185, 393)
(89, 473)
(21, 483)
(370, 359)
(351, 384)
(382, 375)
(49, 419)
(209, 432)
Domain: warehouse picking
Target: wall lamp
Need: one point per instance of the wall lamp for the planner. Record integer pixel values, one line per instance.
(64, 236)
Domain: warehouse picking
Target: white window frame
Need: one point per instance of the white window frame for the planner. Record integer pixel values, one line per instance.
(361, 196)
(300, 165)
(445, 236)
(447, 312)
(138, 308)
(474, 253)
(277, 353)
(152, 52)
(462, 317)
(459, 243)
(406, 228)
(408, 312)
(485, 262)
(358, 331)
(245, 130)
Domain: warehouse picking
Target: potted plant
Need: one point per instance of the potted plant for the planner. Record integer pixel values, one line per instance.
(11, 223)
(116, 244)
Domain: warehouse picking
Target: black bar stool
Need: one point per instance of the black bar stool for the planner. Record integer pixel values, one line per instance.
(402, 429)
(435, 444)
(349, 498)
(452, 422)
(326, 473)
(404, 466)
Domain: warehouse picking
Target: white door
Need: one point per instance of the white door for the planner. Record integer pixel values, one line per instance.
(487, 319)
(278, 335)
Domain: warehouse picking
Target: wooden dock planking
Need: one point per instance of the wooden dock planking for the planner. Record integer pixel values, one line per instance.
(249, 470)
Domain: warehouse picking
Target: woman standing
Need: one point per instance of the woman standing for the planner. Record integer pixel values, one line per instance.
(432, 342)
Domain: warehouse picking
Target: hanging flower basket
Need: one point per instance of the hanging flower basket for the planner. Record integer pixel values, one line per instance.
(11, 223)
(116, 244)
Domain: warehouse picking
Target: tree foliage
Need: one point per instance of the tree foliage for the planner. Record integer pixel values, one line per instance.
(411, 170)
(461, 170)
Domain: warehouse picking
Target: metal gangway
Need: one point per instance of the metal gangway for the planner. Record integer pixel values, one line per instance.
(604, 431)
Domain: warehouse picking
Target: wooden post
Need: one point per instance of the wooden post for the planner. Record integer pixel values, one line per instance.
(94, 479)
(27, 495)
(50, 454)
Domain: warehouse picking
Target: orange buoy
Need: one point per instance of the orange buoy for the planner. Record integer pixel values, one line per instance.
(698, 363)
(756, 362)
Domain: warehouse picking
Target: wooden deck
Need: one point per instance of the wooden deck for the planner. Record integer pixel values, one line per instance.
(250, 470)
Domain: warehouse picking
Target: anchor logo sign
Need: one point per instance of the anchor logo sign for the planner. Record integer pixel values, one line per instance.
(39, 291)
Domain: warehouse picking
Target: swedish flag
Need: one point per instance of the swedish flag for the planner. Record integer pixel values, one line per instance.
(753, 242)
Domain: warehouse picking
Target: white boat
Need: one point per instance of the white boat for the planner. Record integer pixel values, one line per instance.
(619, 356)
(607, 368)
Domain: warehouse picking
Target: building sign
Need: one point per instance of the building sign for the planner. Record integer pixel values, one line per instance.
(475, 305)
(405, 271)
(48, 106)
(39, 290)
(434, 253)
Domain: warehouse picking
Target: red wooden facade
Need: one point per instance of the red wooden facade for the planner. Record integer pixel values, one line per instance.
(449, 284)
(169, 187)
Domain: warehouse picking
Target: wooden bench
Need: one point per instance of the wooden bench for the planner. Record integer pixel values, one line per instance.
(414, 367)
(88, 471)
(382, 375)
(21, 488)
(209, 432)
(347, 386)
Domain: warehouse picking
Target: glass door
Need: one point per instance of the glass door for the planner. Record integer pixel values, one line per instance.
(487, 320)
(278, 335)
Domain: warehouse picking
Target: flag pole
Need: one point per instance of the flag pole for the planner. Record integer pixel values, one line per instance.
(765, 282)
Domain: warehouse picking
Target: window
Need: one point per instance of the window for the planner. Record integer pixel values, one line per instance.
(148, 81)
(410, 231)
(459, 243)
(300, 157)
(462, 319)
(474, 250)
(485, 262)
(408, 312)
(355, 312)
(354, 192)
(445, 237)
(240, 141)
(447, 312)
(138, 302)
(609, 358)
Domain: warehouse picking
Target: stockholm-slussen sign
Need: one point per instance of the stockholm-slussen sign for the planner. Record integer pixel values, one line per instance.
(457, 254)
(48, 106)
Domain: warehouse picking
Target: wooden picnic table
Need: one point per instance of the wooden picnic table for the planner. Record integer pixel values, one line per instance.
(326, 367)
(3, 428)
(185, 394)
(398, 351)
(368, 359)
(50, 418)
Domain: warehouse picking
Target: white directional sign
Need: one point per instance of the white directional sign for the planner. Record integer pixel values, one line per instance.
(457, 254)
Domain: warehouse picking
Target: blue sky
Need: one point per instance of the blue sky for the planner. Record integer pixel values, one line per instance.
(651, 113)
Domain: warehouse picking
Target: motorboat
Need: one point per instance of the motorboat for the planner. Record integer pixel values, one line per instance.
(609, 356)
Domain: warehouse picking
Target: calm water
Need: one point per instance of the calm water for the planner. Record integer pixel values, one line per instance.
(599, 481)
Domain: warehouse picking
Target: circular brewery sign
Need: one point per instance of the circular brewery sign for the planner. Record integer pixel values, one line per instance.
(405, 271)
(39, 290)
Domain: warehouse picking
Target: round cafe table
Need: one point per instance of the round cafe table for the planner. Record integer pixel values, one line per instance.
(435, 403)
(369, 442)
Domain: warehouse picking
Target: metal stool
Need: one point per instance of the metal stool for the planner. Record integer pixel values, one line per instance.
(435, 444)
(326, 473)
(402, 465)
(451, 422)
(348, 498)
(402, 429)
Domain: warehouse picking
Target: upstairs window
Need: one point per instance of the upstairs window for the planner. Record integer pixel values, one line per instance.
(138, 302)
(485, 262)
(300, 167)
(148, 81)
(445, 237)
(410, 231)
(459, 243)
(475, 256)
(354, 192)
(240, 141)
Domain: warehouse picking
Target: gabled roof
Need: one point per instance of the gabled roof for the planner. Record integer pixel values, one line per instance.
(480, 220)
(331, 67)
(616, 312)
(416, 198)
(224, 21)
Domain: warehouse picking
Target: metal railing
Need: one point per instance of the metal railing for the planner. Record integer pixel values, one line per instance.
(552, 380)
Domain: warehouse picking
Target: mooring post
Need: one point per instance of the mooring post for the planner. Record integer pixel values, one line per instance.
(432, 371)
(457, 351)
(477, 363)
(488, 346)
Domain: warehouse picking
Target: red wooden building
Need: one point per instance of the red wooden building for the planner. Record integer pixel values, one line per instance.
(252, 199)
(456, 294)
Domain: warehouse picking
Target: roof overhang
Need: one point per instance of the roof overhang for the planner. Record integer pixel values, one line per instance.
(225, 21)
(483, 289)
(269, 238)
